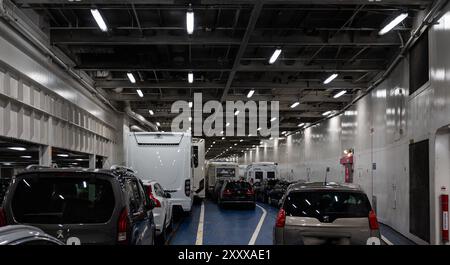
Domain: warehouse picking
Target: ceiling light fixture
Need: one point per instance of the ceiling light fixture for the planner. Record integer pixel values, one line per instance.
(340, 94)
(301, 125)
(62, 155)
(140, 93)
(190, 21)
(330, 78)
(295, 105)
(131, 78)
(393, 23)
(273, 119)
(275, 56)
(17, 148)
(250, 93)
(99, 19)
(151, 112)
(191, 78)
(236, 112)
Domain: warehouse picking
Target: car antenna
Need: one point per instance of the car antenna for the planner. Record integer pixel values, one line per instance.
(326, 175)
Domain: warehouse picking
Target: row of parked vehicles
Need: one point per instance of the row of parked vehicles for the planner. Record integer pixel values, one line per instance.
(132, 204)
(310, 213)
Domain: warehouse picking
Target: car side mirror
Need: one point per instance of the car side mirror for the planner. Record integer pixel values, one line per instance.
(167, 195)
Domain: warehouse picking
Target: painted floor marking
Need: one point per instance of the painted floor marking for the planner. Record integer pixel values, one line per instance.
(386, 240)
(258, 227)
(199, 240)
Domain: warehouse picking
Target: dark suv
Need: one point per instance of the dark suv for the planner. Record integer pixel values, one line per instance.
(81, 206)
(237, 192)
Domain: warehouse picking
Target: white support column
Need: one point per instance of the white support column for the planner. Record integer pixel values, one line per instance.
(45, 155)
(92, 160)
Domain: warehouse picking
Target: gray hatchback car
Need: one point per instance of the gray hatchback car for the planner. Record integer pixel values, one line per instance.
(25, 235)
(325, 213)
(81, 206)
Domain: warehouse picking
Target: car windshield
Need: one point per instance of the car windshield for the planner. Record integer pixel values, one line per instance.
(52, 199)
(240, 185)
(329, 204)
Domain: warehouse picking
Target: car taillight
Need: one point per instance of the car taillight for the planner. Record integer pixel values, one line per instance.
(281, 218)
(157, 202)
(2, 217)
(123, 227)
(226, 192)
(187, 187)
(373, 223)
(250, 192)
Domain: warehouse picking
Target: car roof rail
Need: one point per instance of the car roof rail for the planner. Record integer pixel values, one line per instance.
(122, 168)
(36, 167)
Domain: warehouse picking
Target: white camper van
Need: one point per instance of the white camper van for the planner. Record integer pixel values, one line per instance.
(221, 170)
(165, 158)
(198, 167)
(262, 170)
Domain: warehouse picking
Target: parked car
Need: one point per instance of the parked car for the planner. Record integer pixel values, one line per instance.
(25, 235)
(237, 192)
(325, 213)
(162, 212)
(82, 205)
(263, 188)
(275, 194)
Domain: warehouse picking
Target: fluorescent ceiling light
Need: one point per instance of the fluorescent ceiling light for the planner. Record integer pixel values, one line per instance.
(331, 78)
(131, 78)
(340, 94)
(259, 129)
(228, 124)
(275, 55)
(236, 112)
(190, 78)
(190, 104)
(393, 23)
(99, 19)
(295, 105)
(223, 138)
(241, 140)
(25, 156)
(190, 118)
(283, 132)
(190, 22)
(326, 113)
(62, 155)
(250, 93)
(158, 124)
(16, 148)
(301, 125)
(140, 93)
(273, 119)
(151, 112)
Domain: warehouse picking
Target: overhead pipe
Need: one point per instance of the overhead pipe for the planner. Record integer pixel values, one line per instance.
(135, 128)
(139, 118)
(417, 33)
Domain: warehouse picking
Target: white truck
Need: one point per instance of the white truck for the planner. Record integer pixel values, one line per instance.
(260, 171)
(165, 158)
(198, 167)
(221, 170)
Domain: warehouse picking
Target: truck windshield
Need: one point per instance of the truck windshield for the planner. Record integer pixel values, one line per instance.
(332, 204)
(226, 172)
(62, 200)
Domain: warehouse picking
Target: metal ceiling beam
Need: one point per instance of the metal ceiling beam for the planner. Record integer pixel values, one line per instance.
(285, 98)
(72, 36)
(253, 67)
(228, 2)
(220, 85)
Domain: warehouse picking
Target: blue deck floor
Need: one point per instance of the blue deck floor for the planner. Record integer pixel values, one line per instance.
(235, 226)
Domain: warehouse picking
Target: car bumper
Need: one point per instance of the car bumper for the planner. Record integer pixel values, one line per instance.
(186, 204)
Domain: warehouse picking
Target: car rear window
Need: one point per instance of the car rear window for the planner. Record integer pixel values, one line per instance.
(327, 205)
(50, 199)
(270, 175)
(238, 185)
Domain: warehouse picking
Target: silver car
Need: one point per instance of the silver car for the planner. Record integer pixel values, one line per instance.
(325, 213)
(25, 235)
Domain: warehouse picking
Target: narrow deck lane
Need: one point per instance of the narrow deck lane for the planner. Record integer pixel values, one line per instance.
(230, 226)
